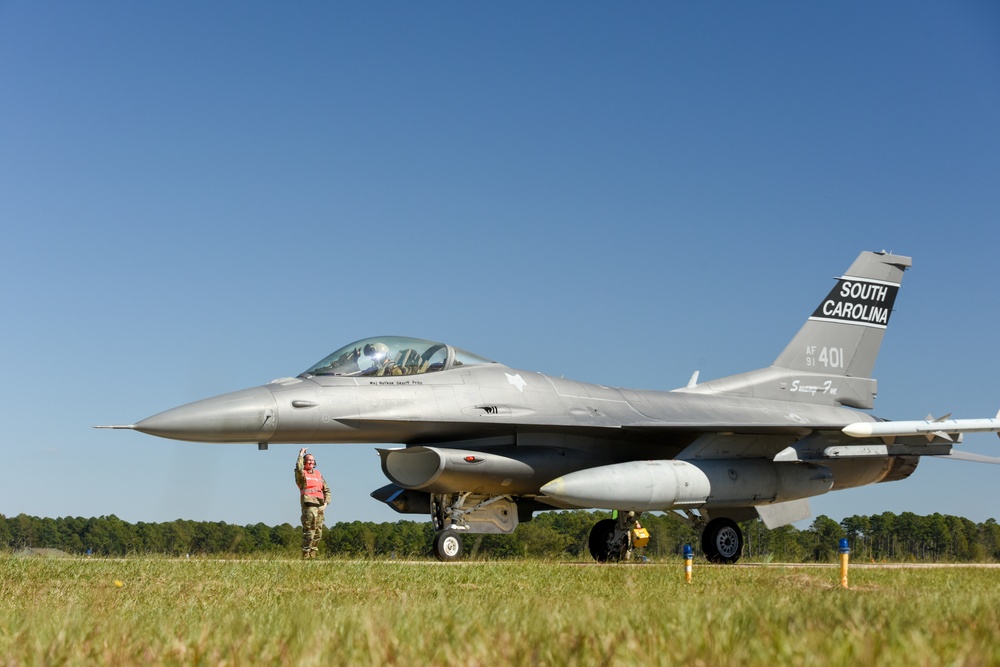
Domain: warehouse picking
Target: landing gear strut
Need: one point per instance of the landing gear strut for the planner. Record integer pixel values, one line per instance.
(611, 539)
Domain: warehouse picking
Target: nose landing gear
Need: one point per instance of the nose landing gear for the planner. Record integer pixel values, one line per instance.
(447, 545)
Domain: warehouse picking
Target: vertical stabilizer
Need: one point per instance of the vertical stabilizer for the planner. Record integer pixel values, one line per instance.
(844, 333)
(830, 360)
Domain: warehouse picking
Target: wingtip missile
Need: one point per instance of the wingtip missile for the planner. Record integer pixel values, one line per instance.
(927, 427)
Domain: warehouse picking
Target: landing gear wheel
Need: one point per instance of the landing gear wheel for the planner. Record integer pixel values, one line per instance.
(601, 536)
(447, 545)
(722, 541)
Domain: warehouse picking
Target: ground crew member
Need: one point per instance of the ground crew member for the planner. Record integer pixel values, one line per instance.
(314, 495)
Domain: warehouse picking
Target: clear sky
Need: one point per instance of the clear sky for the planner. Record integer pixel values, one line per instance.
(202, 197)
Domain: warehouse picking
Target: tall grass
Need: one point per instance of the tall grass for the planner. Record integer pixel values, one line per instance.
(511, 613)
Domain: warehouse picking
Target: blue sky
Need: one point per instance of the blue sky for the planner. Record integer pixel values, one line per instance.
(202, 197)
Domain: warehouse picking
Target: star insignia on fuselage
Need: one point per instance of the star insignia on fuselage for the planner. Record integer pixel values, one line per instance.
(517, 381)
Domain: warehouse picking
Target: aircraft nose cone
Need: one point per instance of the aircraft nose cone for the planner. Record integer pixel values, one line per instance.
(249, 415)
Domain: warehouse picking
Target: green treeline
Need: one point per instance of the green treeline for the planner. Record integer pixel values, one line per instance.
(887, 536)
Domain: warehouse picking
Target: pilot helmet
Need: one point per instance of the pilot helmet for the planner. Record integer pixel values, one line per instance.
(377, 352)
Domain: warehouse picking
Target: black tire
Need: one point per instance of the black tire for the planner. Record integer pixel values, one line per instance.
(600, 541)
(722, 541)
(447, 546)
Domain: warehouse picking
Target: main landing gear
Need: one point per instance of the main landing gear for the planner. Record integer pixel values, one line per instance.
(722, 541)
(612, 539)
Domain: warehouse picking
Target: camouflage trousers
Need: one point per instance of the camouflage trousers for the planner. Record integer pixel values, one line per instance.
(312, 529)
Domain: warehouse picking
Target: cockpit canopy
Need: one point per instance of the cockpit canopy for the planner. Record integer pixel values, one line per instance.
(393, 355)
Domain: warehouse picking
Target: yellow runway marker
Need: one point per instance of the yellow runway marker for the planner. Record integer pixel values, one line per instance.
(845, 556)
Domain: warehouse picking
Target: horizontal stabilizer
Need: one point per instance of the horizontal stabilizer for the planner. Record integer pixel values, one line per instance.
(777, 515)
(969, 456)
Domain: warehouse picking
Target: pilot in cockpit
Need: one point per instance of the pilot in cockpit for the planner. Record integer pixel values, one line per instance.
(382, 362)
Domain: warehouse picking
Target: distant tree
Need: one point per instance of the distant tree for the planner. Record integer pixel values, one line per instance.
(258, 539)
(883, 535)
(498, 547)
(858, 532)
(5, 537)
(556, 534)
(785, 544)
(575, 525)
(826, 535)
(927, 538)
(23, 531)
(355, 539)
(123, 535)
(97, 537)
(668, 533)
(151, 537)
(286, 537)
(204, 538)
(177, 537)
(70, 534)
(231, 536)
(369, 538)
(411, 539)
(989, 538)
(541, 539)
(47, 533)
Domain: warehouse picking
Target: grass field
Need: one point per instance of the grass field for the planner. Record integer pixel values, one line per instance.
(247, 612)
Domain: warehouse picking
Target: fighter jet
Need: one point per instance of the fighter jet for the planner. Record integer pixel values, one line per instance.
(484, 446)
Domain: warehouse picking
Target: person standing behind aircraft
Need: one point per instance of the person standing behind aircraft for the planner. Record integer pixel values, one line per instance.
(314, 496)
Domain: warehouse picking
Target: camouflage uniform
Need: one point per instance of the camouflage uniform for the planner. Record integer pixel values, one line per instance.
(312, 511)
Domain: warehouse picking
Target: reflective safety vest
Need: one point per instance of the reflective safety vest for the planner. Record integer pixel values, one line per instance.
(314, 484)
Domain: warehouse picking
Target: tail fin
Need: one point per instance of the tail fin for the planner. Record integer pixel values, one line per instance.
(830, 360)
(844, 334)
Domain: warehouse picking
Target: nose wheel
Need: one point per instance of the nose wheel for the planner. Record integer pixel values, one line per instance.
(447, 545)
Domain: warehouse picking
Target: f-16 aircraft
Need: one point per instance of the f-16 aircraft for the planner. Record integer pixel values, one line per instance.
(485, 445)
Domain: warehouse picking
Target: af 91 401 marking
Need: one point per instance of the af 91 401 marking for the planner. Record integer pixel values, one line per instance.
(828, 357)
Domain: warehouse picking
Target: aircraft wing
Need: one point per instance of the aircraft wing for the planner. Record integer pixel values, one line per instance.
(748, 428)
(651, 427)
